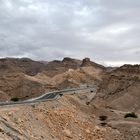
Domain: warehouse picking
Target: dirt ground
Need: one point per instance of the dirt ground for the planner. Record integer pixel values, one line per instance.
(67, 118)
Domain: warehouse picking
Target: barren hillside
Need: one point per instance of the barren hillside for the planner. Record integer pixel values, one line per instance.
(77, 116)
(63, 119)
(118, 96)
(120, 88)
(24, 78)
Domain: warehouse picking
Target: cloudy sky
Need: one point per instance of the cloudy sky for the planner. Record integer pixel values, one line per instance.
(107, 31)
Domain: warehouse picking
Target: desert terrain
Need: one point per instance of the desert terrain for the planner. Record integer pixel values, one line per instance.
(80, 116)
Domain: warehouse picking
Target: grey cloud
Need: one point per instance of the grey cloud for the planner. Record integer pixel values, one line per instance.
(104, 30)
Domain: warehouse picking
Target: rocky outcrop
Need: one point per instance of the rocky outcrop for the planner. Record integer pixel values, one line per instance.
(86, 62)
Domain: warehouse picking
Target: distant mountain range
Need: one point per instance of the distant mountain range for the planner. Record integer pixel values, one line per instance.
(25, 78)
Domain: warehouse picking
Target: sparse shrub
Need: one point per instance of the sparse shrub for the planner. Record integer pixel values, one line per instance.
(87, 103)
(131, 114)
(103, 124)
(15, 99)
(33, 106)
(103, 118)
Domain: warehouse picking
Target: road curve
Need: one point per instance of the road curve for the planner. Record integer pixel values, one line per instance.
(49, 96)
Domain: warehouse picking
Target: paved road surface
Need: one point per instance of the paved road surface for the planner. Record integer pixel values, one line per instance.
(50, 96)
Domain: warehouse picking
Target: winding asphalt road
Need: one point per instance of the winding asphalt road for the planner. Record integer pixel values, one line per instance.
(50, 96)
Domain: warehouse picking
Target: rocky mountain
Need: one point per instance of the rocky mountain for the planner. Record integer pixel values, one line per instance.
(25, 65)
(120, 88)
(56, 67)
(86, 62)
(25, 78)
(86, 115)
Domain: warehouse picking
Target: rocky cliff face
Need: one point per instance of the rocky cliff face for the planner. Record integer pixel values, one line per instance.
(86, 62)
(120, 88)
